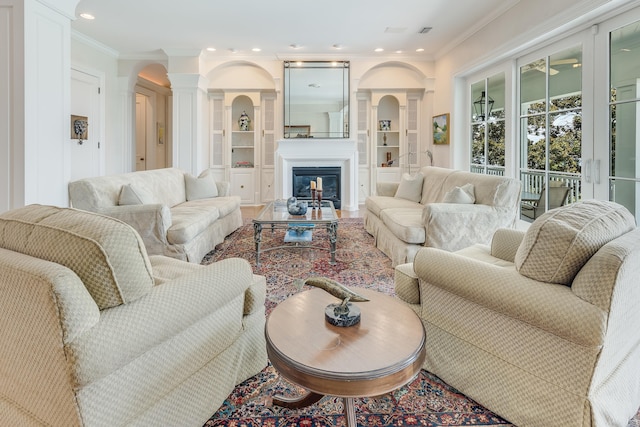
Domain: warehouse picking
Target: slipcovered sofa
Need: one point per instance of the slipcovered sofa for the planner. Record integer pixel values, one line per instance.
(441, 208)
(541, 327)
(176, 214)
(96, 333)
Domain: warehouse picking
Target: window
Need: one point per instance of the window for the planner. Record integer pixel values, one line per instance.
(488, 125)
(551, 126)
(624, 103)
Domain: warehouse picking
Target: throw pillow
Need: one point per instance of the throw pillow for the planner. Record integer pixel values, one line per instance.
(462, 195)
(202, 187)
(558, 244)
(410, 187)
(133, 195)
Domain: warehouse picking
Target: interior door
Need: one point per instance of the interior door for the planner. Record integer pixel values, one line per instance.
(86, 150)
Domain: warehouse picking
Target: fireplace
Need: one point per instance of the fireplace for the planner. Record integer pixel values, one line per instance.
(302, 177)
(310, 153)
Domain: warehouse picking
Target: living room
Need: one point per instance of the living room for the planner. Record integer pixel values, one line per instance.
(486, 77)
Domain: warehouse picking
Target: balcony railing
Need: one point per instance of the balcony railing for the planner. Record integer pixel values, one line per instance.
(533, 181)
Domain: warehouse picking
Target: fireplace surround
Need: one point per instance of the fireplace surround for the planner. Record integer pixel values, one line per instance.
(341, 153)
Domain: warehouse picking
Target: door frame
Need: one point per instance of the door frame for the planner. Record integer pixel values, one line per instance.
(100, 75)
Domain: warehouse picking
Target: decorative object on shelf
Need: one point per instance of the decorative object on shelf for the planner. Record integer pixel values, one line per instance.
(482, 104)
(441, 129)
(384, 124)
(243, 121)
(389, 161)
(79, 126)
(338, 314)
(384, 139)
(295, 207)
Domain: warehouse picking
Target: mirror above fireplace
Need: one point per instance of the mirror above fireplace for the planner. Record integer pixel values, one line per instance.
(316, 99)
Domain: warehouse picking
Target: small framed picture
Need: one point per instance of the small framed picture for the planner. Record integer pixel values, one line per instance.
(441, 129)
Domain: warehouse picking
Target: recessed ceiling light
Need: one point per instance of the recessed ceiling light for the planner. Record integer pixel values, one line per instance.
(379, 49)
(425, 30)
(211, 49)
(87, 16)
(295, 46)
(256, 49)
(337, 46)
(398, 51)
(419, 49)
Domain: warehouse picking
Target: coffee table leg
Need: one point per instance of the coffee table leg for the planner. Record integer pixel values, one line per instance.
(350, 412)
(257, 237)
(333, 237)
(309, 398)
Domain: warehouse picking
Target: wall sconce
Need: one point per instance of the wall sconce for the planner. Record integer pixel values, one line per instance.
(79, 127)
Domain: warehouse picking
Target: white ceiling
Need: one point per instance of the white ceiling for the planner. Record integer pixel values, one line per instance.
(148, 27)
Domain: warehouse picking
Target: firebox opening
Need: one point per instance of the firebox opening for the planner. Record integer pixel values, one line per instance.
(302, 177)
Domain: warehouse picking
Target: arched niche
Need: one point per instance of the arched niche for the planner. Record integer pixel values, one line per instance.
(240, 74)
(392, 75)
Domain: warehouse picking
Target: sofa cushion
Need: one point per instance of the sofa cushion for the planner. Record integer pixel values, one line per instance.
(376, 204)
(405, 223)
(561, 241)
(202, 187)
(410, 187)
(189, 220)
(107, 254)
(462, 195)
(225, 205)
(134, 195)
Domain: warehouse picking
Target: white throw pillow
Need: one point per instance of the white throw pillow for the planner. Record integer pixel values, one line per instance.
(203, 187)
(133, 195)
(410, 187)
(463, 195)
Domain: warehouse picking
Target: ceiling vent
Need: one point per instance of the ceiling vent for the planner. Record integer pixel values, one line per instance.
(424, 30)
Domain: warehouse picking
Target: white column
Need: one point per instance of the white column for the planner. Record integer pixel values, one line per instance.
(124, 155)
(35, 43)
(190, 142)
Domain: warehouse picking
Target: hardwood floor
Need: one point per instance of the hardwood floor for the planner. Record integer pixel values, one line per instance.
(249, 212)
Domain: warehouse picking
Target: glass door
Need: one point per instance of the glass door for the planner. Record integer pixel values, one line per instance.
(551, 140)
(623, 172)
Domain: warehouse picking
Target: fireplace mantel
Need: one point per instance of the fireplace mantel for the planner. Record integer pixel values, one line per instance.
(318, 152)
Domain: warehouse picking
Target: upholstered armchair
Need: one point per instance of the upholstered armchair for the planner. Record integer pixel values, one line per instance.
(96, 333)
(542, 326)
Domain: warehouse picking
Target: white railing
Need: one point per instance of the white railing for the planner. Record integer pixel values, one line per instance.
(533, 181)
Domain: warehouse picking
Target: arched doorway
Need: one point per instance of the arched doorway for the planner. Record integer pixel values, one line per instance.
(153, 145)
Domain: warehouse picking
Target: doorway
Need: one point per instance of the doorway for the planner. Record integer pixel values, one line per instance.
(87, 158)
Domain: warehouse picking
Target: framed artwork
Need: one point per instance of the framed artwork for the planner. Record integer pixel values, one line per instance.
(301, 131)
(441, 129)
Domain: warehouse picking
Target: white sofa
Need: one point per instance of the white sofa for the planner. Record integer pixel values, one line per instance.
(442, 208)
(541, 327)
(96, 333)
(176, 214)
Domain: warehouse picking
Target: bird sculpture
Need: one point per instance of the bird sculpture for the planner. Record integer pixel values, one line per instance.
(343, 314)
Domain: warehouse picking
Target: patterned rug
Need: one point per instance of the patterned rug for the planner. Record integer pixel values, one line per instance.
(426, 401)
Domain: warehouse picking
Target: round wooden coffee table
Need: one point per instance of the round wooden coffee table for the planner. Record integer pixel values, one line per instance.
(381, 353)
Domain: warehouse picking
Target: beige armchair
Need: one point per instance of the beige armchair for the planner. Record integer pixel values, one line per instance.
(96, 333)
(542, 327)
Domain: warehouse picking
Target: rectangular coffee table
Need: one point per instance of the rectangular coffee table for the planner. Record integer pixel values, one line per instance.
(276, 216)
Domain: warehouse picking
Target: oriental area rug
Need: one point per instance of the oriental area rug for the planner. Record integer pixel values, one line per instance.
(426, 401)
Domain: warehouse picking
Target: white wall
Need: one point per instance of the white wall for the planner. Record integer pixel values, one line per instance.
(525, 26)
